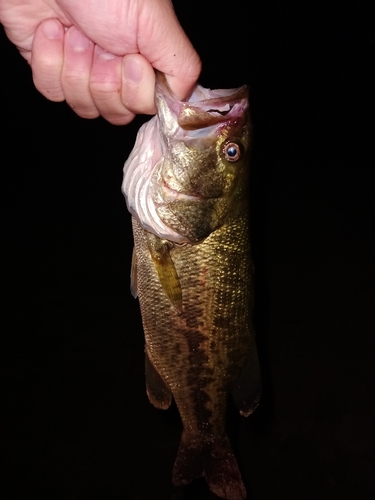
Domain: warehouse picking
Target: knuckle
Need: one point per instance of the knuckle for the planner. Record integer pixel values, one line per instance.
(120, 119)
(74, 77)
(51, 89)
(105, 90)
(88, 113)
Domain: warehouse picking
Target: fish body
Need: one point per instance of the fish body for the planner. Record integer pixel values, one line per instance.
(186, 186)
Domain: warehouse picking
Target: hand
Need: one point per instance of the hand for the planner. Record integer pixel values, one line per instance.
(100, 55)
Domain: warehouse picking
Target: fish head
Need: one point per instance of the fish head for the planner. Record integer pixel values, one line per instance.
(198, 163)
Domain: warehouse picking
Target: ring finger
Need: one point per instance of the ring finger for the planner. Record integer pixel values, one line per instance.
(75, 76)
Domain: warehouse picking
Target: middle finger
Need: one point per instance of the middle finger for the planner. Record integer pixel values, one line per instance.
(105, 87)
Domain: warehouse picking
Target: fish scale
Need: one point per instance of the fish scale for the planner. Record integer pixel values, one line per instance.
(195, 289)
(199, 352)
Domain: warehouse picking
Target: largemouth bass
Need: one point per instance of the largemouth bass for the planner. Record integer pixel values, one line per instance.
(186, 186)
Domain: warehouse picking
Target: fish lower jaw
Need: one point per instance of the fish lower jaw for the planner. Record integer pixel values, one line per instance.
(169, 194)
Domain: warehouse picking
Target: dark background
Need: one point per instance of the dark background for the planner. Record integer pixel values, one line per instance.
(78, 424)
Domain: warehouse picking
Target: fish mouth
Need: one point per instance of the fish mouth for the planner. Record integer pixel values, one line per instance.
(169, 194)
(205, 108)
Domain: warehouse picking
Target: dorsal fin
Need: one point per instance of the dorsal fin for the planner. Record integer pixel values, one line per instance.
(133, 275)
(247, 389)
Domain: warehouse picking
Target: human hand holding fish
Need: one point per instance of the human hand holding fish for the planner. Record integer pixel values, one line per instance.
(100, 56)
(186, 186)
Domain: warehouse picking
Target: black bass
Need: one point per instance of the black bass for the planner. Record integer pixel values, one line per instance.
(186, 186)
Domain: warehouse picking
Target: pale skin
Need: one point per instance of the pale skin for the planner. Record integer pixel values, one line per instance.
(100, 55)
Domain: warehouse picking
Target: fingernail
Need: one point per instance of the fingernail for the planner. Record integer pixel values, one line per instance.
(51, 29)
(77, 40)
(132, 70)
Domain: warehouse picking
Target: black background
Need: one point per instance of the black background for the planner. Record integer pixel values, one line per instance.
(78, 423)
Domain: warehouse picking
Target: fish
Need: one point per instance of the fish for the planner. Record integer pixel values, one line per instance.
(186, 187)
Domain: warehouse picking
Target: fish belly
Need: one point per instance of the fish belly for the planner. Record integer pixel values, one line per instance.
(200, 353)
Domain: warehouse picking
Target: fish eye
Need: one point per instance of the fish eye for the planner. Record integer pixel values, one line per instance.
(232, 151)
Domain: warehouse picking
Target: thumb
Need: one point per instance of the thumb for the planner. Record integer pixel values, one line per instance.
(169, 50)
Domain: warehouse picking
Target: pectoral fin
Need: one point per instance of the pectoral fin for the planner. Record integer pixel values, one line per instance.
(247, 389)
(157, 390)
(163, 263)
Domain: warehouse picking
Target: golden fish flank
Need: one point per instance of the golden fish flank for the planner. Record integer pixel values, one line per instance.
(185, 184)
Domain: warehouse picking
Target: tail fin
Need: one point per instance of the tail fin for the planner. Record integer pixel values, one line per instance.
(213, 460)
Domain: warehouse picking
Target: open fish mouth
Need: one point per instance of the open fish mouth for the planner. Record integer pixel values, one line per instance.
(205, 108)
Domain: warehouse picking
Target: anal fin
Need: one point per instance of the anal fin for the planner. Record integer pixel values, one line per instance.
(157, 389)
(248, 387)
